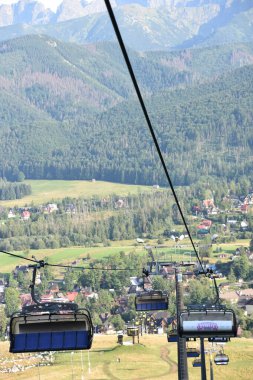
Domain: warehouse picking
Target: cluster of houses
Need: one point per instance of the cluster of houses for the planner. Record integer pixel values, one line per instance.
(240, 205)
(243, 298)
(25, 212)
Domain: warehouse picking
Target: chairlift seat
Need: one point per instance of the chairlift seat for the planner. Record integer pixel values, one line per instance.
(196, 363)
(45, 331)
(152, 300)
(207, 323)
(192, 353)
(172, 336)
(132, 331)
(221, 359)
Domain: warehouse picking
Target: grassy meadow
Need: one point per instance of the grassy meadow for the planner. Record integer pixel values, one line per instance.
(153, 358)
(44, 191)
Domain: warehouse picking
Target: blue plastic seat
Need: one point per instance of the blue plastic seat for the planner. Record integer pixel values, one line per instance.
(19, 342)
(32, 342)
(45, 341)
(152, 306)
(82, 340)
(57, 341)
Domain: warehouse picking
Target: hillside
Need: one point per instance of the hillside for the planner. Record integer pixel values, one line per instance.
(69, 112)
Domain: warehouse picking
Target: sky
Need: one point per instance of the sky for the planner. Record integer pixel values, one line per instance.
(52, 4)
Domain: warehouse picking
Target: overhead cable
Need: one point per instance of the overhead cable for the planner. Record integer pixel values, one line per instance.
(151, 129)
(43, 264)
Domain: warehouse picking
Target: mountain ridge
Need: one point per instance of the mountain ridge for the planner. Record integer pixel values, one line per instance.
(159, 24)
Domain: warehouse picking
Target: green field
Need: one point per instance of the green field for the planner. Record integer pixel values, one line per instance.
(44, 191)
(68, 255)
(153, 358)
(63, 255)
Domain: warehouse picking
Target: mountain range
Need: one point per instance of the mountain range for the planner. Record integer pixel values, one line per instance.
(69, 111)
(145, 24)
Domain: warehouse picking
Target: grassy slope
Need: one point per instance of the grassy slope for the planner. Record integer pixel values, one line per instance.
(44, 191)
(153, 359)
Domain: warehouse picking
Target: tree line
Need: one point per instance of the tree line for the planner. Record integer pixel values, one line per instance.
(13, 190)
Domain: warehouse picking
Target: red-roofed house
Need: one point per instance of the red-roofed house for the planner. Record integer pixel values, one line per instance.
(26, 215)
(26, 299)
(71, 296)
(207, 203)
(206, 222)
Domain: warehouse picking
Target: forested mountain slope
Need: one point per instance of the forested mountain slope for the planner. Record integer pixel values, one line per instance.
(69, 111)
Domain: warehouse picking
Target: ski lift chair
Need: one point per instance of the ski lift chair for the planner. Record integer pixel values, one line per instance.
(196, 363)
(50, 326)
(47, 330)
(221, 359)
(132, 331)
(151, 300)
(192, 352)
(172, 336)
(207, 322)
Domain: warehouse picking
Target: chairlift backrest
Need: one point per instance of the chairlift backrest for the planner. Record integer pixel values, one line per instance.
(151, 300)
(207, 323)
(46, 331)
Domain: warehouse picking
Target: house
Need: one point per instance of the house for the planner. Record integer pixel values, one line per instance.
(244, 225)
(223, 256)
(54, 289)
(20, 268)
(231, 296)
(161, 318)
(196, 210)
(26, 299)
(119, 203)
(25, 215)
(224, 285)
(71, 296)
(206, 222)
(249, 307)
(213, 211)
(248, 293)
(49, 208)
(89, 294)
(70, 209)
(244, 208)
(11, 214)
(2, 290)
(208, 203)
(52, 207)
(248, 200)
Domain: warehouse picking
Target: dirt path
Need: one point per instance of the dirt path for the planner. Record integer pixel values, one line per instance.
(165, 356)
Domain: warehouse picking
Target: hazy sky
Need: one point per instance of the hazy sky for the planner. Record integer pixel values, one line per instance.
(53, 4)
